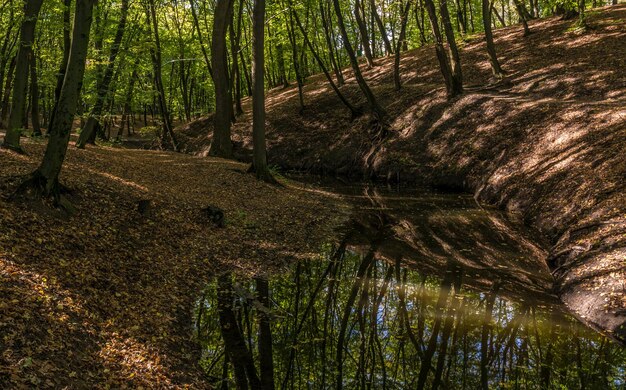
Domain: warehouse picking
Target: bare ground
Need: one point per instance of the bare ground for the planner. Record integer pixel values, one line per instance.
(104, 299)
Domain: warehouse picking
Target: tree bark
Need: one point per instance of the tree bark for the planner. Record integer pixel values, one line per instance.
(367, 49)
(378, 111)
(45, 179)
(401, 39)
(25, 52)
(444, 63)
(236, 349)
(491, 49)
(331, 52)
(259, 158)
(453, 51)
(103, 85)
(381, 27)
(265, 336)
(67, 43)
(34, 96)
(155, 56)
(353, 111)
(221, 145)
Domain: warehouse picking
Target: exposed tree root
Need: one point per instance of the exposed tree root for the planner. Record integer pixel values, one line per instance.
(15, 148)
(35, 189)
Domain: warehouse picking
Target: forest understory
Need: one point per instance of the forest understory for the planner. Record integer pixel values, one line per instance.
(546, 143)
(103, 298)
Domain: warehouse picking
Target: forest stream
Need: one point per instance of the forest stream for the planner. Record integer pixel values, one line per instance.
(421, 289)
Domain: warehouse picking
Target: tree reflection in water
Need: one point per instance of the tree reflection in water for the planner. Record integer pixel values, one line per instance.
(355, 321)
(425, 291)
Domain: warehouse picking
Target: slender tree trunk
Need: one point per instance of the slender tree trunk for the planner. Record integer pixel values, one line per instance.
(236, 349)
(523, 15)
(196, 24)
(221, 145)
(236, 75)
(265, 337)
(155, 55)
(67, 43)
(259, 158)
(377, 110)
(455, 60)
(294, 56)
(444, 63)
(34, 97)
(460, 17)
(491, 49)
(330, 44)
(6, 58)
(25, 52)
(367, 49)
(45, 179)
(401, 39)
(353, 111)
(381, 28)
(103, 85)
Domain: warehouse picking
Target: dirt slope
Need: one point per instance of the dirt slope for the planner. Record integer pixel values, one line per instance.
(546, 143)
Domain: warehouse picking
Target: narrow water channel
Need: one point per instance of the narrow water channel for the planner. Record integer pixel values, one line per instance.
(420, 290)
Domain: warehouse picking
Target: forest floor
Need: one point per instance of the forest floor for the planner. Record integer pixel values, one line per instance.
(546, 143)
(105, 297)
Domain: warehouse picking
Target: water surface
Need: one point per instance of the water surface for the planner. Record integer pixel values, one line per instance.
(419, 290)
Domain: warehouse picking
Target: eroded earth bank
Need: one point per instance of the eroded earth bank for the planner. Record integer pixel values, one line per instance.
(546, 143)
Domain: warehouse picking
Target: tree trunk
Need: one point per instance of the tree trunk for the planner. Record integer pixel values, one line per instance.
(236, 74)
(523, 15)
(221, 145)
(491, 49)
(294, 57)
(67, 43)
(455, 60)
(460, 17)
(265, 336)
(25, 52)
(103, 85)
(381, 27)
(377, 110)
(34, 97)
(353, 111)
(331, 53)
(236, 349)
(155, 56)
(401, 39)
(367, 50)
(259, 158)
(45, 179)
(196, 24)
(444, 64)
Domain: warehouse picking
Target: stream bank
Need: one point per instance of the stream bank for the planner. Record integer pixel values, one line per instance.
(545, 144)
